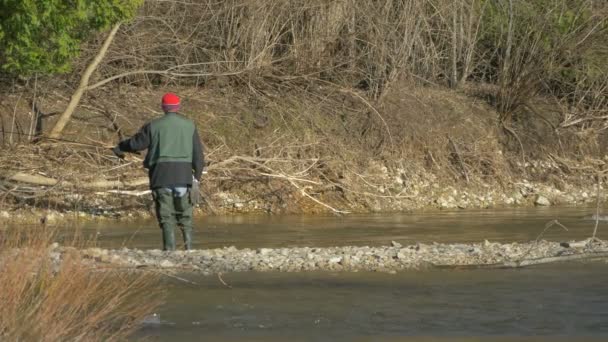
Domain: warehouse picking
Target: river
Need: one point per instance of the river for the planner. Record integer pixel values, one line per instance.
(565, 302)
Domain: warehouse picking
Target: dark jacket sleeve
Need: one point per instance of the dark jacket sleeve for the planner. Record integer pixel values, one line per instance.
(140, 141)
(198, 156)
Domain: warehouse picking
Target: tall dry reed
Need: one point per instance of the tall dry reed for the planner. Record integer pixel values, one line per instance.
(44, 300)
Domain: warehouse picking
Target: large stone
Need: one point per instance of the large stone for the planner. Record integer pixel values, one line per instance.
(335, 260)
(264, 251)
(446, 202)
(155, 252)
(542, 201)
(404, 253)
(166, 264)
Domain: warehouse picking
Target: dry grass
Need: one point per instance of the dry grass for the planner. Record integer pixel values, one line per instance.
(42, 301)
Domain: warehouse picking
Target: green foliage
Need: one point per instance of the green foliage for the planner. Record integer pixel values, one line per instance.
(42, 36)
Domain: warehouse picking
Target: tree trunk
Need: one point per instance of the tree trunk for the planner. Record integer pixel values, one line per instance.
(82, 86)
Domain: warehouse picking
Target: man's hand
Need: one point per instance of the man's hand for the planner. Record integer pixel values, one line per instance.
(120, 154)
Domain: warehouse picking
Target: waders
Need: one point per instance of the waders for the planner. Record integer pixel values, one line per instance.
(174, 208)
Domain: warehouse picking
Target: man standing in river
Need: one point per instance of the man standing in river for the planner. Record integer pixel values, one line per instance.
(175, 164)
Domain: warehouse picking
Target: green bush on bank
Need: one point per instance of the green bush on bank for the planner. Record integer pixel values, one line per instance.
(45, 36)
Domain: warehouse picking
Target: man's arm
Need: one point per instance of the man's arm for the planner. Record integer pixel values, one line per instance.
(198, 156)
(140, 141)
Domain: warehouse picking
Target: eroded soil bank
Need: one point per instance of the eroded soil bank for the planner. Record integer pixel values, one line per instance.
(420, 148)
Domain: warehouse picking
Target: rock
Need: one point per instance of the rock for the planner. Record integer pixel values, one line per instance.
(155, 252)
(105, 258)
(51, 217)
(153, 319)
(264, 251)
(166, 264)
(396, 244)
(542, 201)
(116, 259)
(462, 204)
(5, 214)
(55, 256)
(474, 251)
(446, 203)
(404, 253)
(96, 252)
(335, 260)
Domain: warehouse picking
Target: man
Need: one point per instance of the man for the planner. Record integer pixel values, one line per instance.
(174, 161)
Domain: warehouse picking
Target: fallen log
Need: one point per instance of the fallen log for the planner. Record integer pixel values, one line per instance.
(93, 185)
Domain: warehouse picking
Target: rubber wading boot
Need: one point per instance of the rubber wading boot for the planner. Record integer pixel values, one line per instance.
(187, 233)
(168, 239)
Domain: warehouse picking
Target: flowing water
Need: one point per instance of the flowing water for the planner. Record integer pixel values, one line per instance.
(569, 302)
(565, 302)
(505, 225)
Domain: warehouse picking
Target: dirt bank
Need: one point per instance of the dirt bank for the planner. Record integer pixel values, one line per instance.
(420, 147)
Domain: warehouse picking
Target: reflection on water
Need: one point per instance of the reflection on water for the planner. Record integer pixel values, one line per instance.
(381, 229)
(565, 303)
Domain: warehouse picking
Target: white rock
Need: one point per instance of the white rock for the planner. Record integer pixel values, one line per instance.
(404, 253)
(51, 217)
(335, 260)
(396, 244)
(155, 252)
(166, 263)
(95, 252)
(542, 201)
(264, 251)
(5, 214)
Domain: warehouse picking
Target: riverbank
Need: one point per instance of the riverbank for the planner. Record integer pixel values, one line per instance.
(393, 258)
(433, 149)
(421, 196)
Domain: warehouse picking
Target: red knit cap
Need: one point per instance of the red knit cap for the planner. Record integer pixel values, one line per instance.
(170, 102)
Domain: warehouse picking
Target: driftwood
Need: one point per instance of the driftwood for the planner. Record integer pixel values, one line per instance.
(94, 185)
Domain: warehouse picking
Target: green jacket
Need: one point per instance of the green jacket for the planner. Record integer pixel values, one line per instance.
(175, 152)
